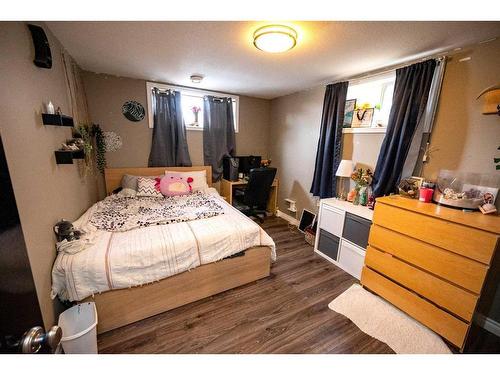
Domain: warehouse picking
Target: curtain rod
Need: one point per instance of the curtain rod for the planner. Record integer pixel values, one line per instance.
(217, 98)
(387, 69)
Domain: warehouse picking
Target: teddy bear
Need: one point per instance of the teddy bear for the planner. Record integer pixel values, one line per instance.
(173, 184)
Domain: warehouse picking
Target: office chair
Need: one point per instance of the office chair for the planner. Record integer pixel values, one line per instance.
(252, 199)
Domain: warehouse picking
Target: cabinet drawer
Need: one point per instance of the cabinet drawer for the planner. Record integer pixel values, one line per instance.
(469, 242)
(328, 244)
(462, 271)
(442, 293)
(356, 229)
(351, 259)
(331, 220)
(444, 324)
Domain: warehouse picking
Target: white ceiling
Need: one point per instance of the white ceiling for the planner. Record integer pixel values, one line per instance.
(223, 51)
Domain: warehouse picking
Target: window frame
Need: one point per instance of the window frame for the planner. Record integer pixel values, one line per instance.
(388, 78)
(193, 92)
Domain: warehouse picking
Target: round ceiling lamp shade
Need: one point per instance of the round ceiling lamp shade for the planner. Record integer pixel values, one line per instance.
(275, 38)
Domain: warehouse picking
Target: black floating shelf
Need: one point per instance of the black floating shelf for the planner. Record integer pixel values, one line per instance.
(67, 156)
(57, 120)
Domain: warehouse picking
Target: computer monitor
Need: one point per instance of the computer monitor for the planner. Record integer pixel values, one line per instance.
(248, 162)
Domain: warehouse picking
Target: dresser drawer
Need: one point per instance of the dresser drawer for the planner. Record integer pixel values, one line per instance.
(356, 229)
(331, 220)
(328, 244)
(469, 242)
(462, 271)
(351, 258)
(442, 293)
(444, 324)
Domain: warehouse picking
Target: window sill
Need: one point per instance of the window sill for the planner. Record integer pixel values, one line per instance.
(364, 130)
(200, 129)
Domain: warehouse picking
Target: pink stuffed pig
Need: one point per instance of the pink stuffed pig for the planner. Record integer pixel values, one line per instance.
(173, 184)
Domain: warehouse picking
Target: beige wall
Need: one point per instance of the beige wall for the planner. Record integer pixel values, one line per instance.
(465, 139)
(106, 95)
(45, 192)
(295, 124)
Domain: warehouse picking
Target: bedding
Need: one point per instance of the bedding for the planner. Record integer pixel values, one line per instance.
(119, 213)
(123, 259)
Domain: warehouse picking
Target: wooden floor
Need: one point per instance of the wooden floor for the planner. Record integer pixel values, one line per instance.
(284, 313)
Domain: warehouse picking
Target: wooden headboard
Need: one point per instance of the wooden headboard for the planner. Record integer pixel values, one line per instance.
(113, 176)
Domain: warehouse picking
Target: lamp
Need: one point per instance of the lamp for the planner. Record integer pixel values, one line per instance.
(275, 38)
(344, 170)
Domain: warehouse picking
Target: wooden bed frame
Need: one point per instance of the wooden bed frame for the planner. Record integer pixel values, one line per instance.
(117, 308)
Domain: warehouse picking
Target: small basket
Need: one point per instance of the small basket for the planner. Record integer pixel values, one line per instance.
(309, 236)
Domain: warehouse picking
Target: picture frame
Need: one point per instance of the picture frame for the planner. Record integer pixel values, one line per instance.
(306, 218)
(363, 118)
(349, 112)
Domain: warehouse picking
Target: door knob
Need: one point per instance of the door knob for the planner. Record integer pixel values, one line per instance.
(36, 337)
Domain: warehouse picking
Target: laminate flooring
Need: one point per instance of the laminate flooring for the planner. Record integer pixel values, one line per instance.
(286, 312)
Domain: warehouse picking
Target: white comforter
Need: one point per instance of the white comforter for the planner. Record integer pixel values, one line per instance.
(116, 260)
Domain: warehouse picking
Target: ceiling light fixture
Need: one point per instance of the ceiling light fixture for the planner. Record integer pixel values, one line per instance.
(275, 38)
(196, 78)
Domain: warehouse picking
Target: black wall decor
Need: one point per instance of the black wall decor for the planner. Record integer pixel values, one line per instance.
(43, 56)
(133, 111)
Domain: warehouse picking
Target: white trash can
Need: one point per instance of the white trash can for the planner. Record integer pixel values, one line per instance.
(79, 329)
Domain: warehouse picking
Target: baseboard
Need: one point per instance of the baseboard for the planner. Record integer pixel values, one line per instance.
(287, 217)
(488, 324)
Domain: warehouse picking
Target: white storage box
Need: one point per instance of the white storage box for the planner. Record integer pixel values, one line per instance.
(351, 258)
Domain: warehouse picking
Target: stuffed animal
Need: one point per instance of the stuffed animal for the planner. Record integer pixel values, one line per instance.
(173, 184)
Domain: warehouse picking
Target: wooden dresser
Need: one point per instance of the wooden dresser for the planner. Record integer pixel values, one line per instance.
(430, 261)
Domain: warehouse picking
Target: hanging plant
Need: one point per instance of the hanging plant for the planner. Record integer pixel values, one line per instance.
(100, 143)
(85, 133)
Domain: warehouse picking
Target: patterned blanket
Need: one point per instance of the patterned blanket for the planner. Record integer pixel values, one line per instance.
(119, 214)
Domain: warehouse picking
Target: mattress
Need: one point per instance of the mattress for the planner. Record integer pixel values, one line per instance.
(117, 260)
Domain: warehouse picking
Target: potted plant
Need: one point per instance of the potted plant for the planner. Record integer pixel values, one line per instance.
(363, 179)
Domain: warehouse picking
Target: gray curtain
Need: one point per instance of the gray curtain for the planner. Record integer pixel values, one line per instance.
(421, 140)
(411, 92)
(329, 152)
(169, 145)
(218, 133)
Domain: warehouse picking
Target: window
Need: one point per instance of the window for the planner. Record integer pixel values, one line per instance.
(192, 104)
(374, 92)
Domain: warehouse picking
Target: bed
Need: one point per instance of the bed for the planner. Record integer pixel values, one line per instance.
(141, 272)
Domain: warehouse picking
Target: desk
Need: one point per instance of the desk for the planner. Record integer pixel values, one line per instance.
(226, 190)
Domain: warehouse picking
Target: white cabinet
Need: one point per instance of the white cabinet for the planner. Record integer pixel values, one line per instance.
(351, 258)
(331, 220)
(347, 253)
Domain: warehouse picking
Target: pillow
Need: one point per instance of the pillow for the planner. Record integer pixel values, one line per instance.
(173, 184)
(147, 187)
(129, 193)
(199, 178)
(130, 181)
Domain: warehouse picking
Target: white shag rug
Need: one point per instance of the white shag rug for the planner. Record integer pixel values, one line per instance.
(381, 320)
